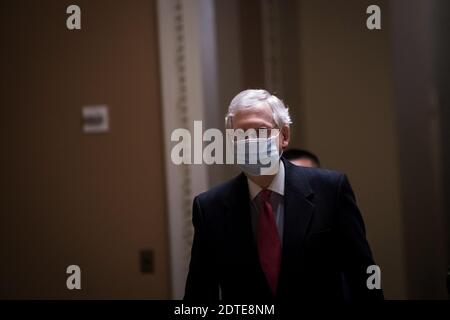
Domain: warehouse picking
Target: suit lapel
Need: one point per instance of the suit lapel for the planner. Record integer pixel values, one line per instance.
(238, 220)
(240, 238)
(298, 210)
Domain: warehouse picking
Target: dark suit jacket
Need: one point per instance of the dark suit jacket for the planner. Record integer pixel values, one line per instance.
(325, 253)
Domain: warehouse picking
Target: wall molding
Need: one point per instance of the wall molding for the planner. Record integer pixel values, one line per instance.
(183, 87)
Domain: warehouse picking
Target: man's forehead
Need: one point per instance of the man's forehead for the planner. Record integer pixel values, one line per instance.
(254, 117)
(262, 109)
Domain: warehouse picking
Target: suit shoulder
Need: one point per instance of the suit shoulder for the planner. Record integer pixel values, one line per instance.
(322, 177)
(218, 192)
(325, 174)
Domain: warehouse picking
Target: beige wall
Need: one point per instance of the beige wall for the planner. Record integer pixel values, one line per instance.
(71, 198)
(347, 118)
(420, 112)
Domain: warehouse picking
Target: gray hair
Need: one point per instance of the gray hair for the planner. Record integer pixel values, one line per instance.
(253, 97)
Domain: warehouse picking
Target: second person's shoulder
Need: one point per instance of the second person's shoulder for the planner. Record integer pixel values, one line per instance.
(316, 177)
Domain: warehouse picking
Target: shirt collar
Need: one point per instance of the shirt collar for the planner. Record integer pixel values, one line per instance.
(277, 184)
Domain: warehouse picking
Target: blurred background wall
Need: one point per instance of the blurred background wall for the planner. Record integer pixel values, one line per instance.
(348, 114)
(373, 104)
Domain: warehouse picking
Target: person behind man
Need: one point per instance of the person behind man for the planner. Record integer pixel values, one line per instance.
(301, 157)
(291, 234)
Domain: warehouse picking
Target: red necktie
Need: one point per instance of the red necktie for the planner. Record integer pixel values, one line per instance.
(268, 240)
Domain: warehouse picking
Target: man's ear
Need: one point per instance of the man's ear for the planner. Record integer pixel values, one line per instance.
(285, 136)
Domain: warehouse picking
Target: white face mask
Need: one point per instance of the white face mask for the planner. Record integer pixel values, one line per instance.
(258, 156)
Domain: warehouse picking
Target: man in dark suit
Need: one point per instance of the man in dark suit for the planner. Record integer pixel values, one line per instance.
(296, 233)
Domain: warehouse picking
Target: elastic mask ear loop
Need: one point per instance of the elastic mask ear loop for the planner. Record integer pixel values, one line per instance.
(279, 131)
